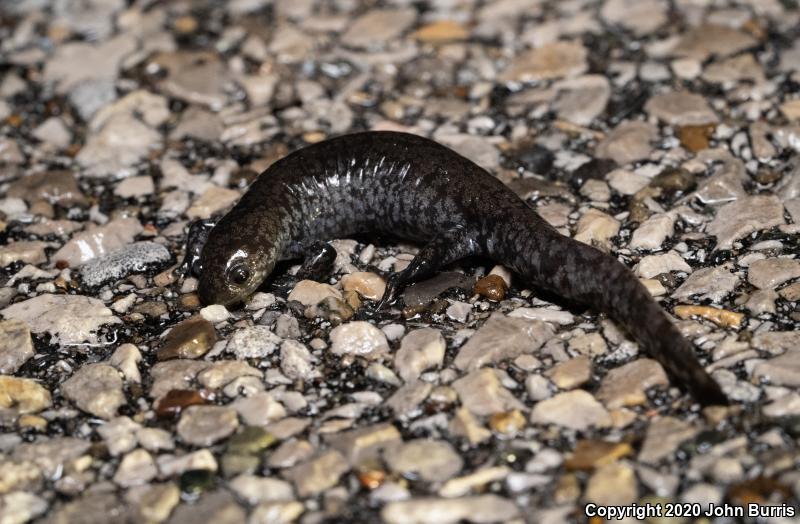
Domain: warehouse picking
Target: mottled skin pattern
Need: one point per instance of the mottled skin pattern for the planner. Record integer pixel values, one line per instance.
(413, 187)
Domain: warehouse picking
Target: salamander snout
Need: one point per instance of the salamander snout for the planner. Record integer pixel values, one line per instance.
(230, 275)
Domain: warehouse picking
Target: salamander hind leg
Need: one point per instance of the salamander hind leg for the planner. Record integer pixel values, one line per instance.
(319, 261)
(452, 245)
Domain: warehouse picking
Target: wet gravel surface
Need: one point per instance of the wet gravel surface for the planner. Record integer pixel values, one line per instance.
(664, 132)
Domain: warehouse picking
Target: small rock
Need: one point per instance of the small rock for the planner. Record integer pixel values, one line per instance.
(589, 344)
(205, 425)
(126, 358)
(297, 363)
(571, 373)
(259, 409)
(502, 338)
(483, 509)
(543, 314)
(508, 424)
(441, 32)
(639, 16)
(366, 443)
(722, 317)
(629, 142)
(626, 182)
(255, 490)
(664, 435)
(115, 148)
(96, 389)
(26, 251)
(378, 25)
(251, 441)
(56, 187)
(626, 385)
(135, 186)
(652, 233)
(705, 40)
(214, 200)
(772, 272)
(696, 138)
(591, 454)
(359, 338)
(223, 372)
(368, 285)
(253, 342)
(310, 293)
(710, 283)
(175, 400)
(134, 258)
(192, 338)
(431, 460)
(612, 484)
(23, 395)
(318, 474)
(16, 346)
(491, 287)
(53, 131)
(680, 108)
(654, 265)
(596, 229)
(465, 424)
(554, 60)
(575, 409)
(744, 216)
(783, 370)
(98, 241)
(482, 393)
(135, 469)
(70, 319)
(420, 350)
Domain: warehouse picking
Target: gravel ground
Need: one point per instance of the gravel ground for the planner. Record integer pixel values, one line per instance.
(664, 132)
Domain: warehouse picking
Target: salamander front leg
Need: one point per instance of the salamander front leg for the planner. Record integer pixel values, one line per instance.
(449, 247)
(318, 263)
(195, 240)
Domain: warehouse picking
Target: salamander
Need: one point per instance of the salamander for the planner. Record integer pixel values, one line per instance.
(415, 188)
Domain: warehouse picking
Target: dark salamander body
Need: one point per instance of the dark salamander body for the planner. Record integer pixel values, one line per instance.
(414, 188)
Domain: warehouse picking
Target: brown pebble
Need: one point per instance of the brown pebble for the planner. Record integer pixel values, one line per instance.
(508, 424)
(372, 479)
(189, 301)
(192, 338)
(151, 309)
(567, 490)
(492, 287)
(721, 317)
(767, 176)
(62, 264)
(590, 454)
(696, 138)
(165, 278)
(352, 299)
(175, 400)
(759, 490)
(441, 32)
(413, 311)
(791, 293)
(32, 422)
(186, 24)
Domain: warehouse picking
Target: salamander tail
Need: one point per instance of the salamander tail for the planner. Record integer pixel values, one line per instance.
(582, 273)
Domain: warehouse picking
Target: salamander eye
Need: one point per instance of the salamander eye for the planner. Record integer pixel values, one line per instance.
(239, 275)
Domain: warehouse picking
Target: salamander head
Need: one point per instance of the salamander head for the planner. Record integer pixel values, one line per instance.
(231, 270)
